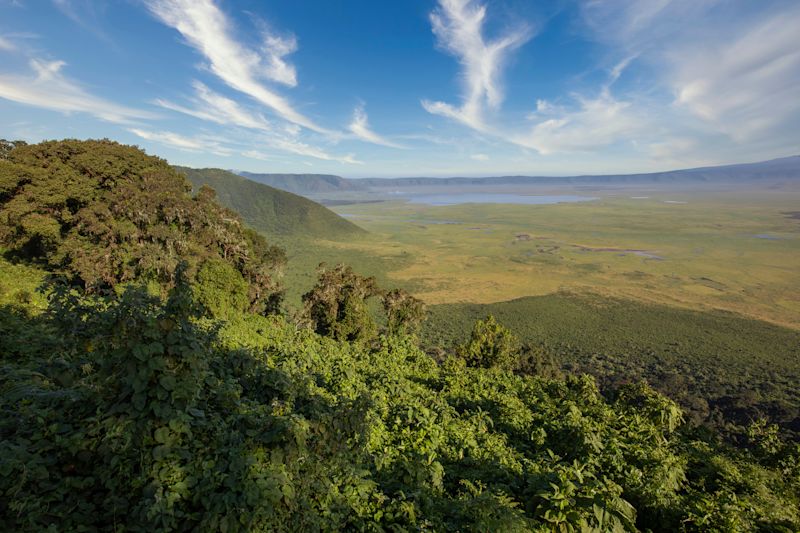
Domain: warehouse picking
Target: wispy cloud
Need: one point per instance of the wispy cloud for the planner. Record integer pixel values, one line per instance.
(594, 123)
(360, 128)
(732, 66)
(275, 49)
(85, 14)
(641, 26)
(747, 87)
(459, 29)
(47, 87)
(591, 123)
(206, 28)
(297, 147)
(479, 157)
(175, 140)
(214, 107)
(255, 154)
(6, 45)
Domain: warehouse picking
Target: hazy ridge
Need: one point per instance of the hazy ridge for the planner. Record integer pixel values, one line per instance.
(777, 170)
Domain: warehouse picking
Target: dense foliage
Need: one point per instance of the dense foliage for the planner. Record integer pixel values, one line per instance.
(490, 345)
(723, 369)
(100, 214)
(337, 305)
(135, 414)
(133, 410)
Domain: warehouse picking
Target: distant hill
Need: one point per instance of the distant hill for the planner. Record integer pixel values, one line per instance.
(786, 168)
(783, 169)
(305, 183)
(269, 210)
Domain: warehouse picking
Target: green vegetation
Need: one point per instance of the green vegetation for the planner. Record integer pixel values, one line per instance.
(136, 414)
(100, 214)
(19, 284)
(337, 305)
(404, 313)
(271, 211)
(725, 370)
(186, 408)
(491, 345)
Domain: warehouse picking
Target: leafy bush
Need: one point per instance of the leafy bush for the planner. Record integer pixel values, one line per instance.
(221, 289)
(491, 345)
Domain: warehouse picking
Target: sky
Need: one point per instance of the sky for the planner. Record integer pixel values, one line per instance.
(388, 88)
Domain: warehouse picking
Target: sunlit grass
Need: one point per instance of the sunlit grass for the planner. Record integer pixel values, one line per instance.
(711, 254)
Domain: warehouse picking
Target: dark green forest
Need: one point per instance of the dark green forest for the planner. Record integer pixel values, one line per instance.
(153, 381)
(272, 211)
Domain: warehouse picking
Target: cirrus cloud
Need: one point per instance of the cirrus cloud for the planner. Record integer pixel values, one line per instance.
(47, 87)
(207, 29)
(459, 29)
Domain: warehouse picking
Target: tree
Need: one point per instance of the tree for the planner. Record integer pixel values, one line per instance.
(491, 345)
(337, 305)
(100, 214)
(404, 313)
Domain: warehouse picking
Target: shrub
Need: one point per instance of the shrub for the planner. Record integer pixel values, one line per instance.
(491, 345)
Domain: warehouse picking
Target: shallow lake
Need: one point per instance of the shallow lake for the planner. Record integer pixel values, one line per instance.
(494, 198)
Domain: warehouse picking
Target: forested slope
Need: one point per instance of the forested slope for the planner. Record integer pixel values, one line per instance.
(272, 211)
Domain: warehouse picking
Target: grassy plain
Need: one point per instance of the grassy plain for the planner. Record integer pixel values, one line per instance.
(736, 251)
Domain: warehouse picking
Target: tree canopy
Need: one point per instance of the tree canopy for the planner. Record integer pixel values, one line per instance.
(100, 213)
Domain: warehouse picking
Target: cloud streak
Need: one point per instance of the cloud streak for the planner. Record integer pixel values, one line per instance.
(297, 147)
(459, 29)
(595, 123)
(48, 88)
(359, 127)
(207, 29)
(747, 87)
(734, 68)
(213, 107)
(6, 45)
(182, 142)
(84, 13)
(275, 49)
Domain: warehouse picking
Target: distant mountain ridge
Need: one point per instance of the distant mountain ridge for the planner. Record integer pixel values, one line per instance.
(270, 210)
(785, 168)
(305, 183)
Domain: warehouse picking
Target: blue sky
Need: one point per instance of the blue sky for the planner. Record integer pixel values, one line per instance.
(409, 87)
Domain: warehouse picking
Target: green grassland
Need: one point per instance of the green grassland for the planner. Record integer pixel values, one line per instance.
(735, 251)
